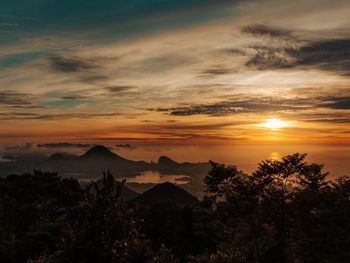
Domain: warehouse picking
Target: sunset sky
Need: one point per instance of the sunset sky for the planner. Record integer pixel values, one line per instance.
(168, 72)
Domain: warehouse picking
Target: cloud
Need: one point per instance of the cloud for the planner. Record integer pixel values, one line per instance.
(271, 58)
(243, 105)
(170, 137)
(233, 51)
(14, 98)
(167, 132)
(72, 64)
(198, 126)
(217, 70)
(65, 145)
(57, 116)
(329, 120)
(262, 30)
(126, 146)
(122, 90)
(74, 97)
(86, 69)
(19, 147)
(341, 103)
(118, 89)
(297, 100)
(65, 116)
(24, 151)
(329, 55)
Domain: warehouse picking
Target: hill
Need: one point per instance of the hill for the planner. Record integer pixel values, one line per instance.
(98, 159)
(166, 193)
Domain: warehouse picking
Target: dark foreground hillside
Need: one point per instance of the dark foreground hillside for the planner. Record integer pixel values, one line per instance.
(166, 193)
(286, 211)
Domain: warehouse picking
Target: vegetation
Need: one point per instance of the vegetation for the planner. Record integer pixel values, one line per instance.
(286, 211)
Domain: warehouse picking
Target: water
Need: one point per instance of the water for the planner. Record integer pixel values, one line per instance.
(155, 177)
(336, 158)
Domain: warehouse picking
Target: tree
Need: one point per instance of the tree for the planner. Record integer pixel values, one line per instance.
(268, 216)
(108, 231)
(34, 212)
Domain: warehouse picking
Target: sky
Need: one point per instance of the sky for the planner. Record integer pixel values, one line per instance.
(162, 72)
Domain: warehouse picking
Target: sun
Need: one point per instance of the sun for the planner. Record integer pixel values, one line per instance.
(274, 124)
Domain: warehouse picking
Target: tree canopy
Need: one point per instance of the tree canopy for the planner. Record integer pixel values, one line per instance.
(286, 211)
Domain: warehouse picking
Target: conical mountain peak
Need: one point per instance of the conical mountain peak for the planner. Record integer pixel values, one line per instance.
(99, 151)
(165, 160)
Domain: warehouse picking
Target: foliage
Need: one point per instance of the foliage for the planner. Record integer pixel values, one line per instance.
(286, 211)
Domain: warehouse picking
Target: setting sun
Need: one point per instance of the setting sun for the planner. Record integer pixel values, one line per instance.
(274, 123)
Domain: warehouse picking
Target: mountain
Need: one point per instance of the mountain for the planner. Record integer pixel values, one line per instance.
(98, 159)
(99, 152)
(166, 193)
(60, 157)
(166, 161)
(128, 194)
(166, 165)
(92, 163)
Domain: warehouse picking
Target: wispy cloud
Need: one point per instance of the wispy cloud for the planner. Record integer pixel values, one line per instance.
(74, 97)
(241, 105)
(71, 64)
(16, 99)
(103, 72)
(64, 145)
(55, 117)
(330, 55)
(340, 103)
(262, 30)
(86, 69)
(126, 146)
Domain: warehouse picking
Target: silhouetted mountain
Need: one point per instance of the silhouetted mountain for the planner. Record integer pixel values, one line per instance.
(98, 159)
(61, 157)
(31, 157)
(166, 193)
(128, 194)
(140, 187)
(100, 152)
(166, 165)
(90, 164)
(164, 160)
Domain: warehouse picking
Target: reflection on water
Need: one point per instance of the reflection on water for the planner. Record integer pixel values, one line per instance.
(155, 177)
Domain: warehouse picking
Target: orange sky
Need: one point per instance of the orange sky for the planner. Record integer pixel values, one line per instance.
(179, 76)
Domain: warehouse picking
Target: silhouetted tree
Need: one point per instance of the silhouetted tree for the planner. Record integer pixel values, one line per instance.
(108, 232)
(34, 209)
(286, 211)
(278, 213)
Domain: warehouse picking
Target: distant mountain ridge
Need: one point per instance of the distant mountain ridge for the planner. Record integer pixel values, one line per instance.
(97, 159)
(61, 157)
